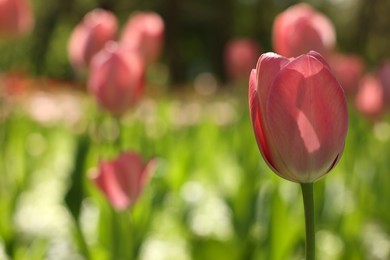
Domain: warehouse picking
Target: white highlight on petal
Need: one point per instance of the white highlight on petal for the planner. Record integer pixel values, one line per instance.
(308, 134)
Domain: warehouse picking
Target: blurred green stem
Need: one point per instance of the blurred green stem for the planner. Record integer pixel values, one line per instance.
(115, 235)
(123, 240)
(308, 202)
(119, 138)
(81, 239)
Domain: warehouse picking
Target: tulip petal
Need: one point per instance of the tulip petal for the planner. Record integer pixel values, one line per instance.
(307, 118)
(107, 181)
(268, 67)
(255, 114)
(116, 78)
(319, 58)
(301, 28)
(90, 36)
(265, 145)
(122, 179)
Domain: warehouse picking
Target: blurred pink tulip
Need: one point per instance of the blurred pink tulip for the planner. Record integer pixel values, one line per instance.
(370, 97)
(90, 36)
(240, 57)
(349, 70)
(123, 179)
(299, 115)
(15, 83)
(116, 78)
(16, 18)
(384, 76)
(144, 31)
(300, 29)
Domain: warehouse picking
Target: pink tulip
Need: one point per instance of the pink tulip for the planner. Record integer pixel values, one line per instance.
(349, 70)
(384, 76)
(90, 36)
(240, 57)
(116, 78)
(300, 29)
(299, 115)
(123, 179)
(144, 31)
(370, 97)
(16, 18)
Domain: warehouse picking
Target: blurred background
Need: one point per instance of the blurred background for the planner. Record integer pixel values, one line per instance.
(211, 196)
(196, 32)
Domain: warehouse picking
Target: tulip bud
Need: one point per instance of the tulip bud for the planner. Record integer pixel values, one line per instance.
(116, 78)
(384, 76)
(240, 57)
(144, 32)
(90, 36)
(123, 179)
(300, 29)
(369, 99)
(16, 18)
(348, 70)
(299, 115)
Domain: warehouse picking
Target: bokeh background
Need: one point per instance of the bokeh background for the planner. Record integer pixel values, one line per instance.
(196, 32)
(211, 196)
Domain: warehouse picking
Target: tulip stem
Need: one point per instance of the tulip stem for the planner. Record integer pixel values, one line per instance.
(308, 203)
(118, 140)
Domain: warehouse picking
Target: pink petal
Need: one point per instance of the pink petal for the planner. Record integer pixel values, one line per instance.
(116, 78)
(301, 28)
(16, 18)
(131, 165)
(144, 31)
(370, 97)
(307, 116)
(108, 182)
(268, 67)
(254, 108)
(90, 36)
(240, 56)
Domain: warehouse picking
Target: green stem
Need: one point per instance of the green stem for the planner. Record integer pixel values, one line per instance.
(308, 202)
(116, 236)
(119, 138)
(82, 243)
(122, 236)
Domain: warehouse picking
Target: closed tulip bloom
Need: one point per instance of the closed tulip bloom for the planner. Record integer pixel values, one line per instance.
(116, 78)
(16, 18)
(370, 99)
(348, 70)
(123, 179)
(240, 57)
(299, 115)
(300, 29)
(90, 36)
(383, 74)
(144, 31)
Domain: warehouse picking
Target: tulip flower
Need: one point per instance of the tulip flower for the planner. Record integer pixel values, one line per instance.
(90, 36)
(384, 76)
(348, 70)
(370, 97)
(300, 29)
(116, 78)
(300, 120)
(299, 115)
(123, 179)
(240, 57)
(144, 31)
(16, 18)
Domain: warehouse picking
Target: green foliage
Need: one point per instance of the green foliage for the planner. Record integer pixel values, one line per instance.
(212, 196)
